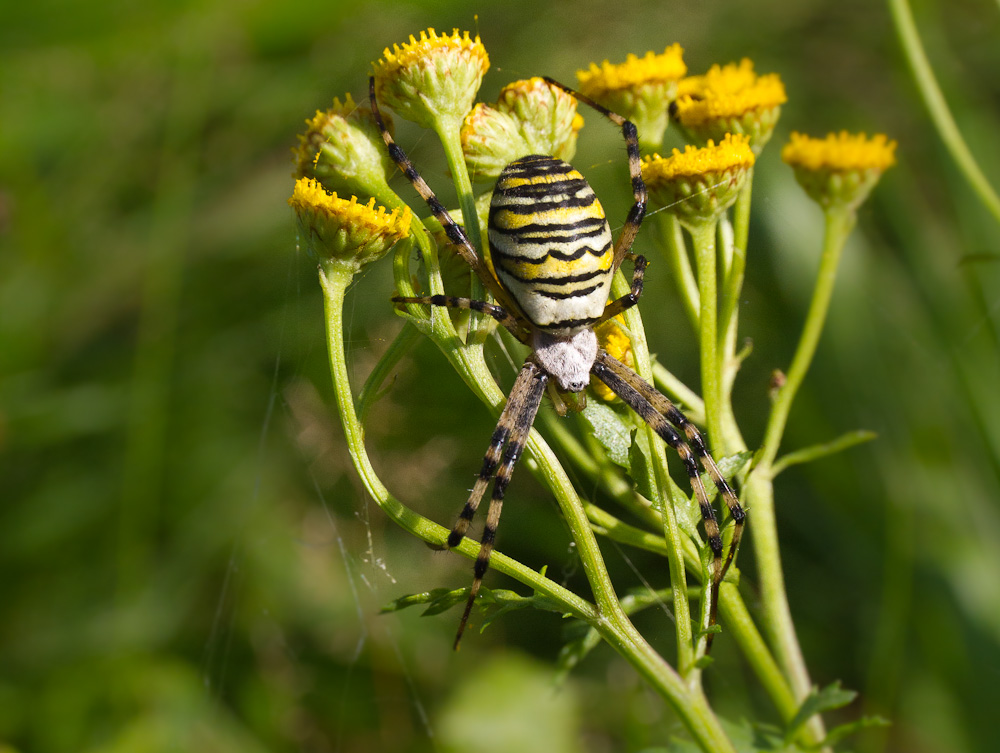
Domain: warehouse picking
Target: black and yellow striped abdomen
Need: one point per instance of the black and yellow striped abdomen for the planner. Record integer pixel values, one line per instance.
(550, 244)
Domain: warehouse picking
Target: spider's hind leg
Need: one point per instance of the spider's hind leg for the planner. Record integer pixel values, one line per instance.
(512, 430)
(663, 416)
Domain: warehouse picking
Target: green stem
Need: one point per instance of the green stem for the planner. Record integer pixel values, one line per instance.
(660, 482)
(450, 139)
(334, 279)
(759, 490)
(703, 236)
(733, 283)
(937, 106)
(838, 225)
(607, 617)
(733, 609)
(675, 251)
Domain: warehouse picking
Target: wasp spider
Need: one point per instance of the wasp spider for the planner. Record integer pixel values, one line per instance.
(554, 258)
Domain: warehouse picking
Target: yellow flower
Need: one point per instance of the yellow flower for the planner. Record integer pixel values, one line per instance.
(433, 78)
(699, 183)
(730, 99)
(531, 117)
(640, 89)
(612, 336)
(841, 169)
(342, 148)
(345, 231)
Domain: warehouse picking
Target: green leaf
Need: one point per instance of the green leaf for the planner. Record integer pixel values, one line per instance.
(434, 597)
(638, 466)
(844, 730)
(818, 701)
(816, 451)
(610, 430)
(730, 465)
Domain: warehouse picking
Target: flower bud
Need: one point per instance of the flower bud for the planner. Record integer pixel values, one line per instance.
(343, 149)
(639, 89)
(841, 169)
(433, 79)
(530, 117)
(730, 99)
(345, 231)
(700, 183)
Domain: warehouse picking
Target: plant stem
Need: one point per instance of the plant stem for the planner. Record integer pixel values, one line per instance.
(675, 250)
(607, 617)
(759, 490)
(660, 482)
(838, 225)
(334, 279)
(703, 236)
(937, 105)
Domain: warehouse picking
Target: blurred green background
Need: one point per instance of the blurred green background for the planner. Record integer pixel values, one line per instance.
(187, 561)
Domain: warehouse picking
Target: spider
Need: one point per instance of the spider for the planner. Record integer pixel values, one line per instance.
(554, 257)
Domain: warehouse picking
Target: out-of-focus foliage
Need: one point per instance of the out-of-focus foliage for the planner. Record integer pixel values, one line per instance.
(188, 562)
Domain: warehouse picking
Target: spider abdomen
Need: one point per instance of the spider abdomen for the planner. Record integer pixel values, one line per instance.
(550, 244)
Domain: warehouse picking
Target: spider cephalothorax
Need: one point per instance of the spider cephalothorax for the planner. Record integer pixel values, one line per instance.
(552, 249)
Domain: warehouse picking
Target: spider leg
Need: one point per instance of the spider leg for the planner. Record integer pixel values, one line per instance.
(482, 307)
(455, 232)
(662, 415)
(623, 245)
(513, 428)
(697, 442)
(631, 298)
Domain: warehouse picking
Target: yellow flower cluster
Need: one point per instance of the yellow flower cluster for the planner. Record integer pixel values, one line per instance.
(640, 89)
(731, 99)
(732, 153)
(634, 73)
(839, 171)
(840, 151)
(699, 183)
(335, 228)
(432, 81)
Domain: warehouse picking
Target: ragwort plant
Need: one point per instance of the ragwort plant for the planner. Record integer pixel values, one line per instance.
(699, 207)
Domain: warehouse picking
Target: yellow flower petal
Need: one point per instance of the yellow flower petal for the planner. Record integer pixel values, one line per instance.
(335, 228)
(699, 183)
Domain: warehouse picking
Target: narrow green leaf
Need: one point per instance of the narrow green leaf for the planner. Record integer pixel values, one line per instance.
(813, 452)
(844, 730)
(818, 701)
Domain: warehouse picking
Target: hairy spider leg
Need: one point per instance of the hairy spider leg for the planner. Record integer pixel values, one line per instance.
(482, 307)
(512, 430)
(455, 232)
(626, 238)
(663, 416)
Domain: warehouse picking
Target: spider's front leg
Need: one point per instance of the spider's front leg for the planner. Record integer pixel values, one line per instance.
(482, 307)
(631, 298)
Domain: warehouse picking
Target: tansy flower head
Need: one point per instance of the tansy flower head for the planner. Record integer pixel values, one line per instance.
(343, 148)
(730, 99)
(530, 117)
(345, 231)
(432, 79)
(640, 89)
(841, 169)
(699, 183)
(613, 338)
